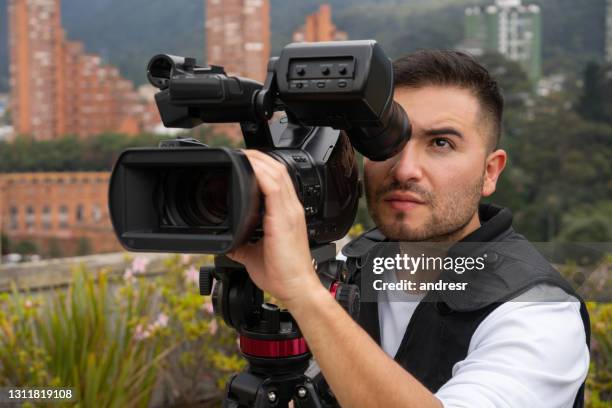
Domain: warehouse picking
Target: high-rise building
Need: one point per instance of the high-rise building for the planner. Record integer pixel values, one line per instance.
(57, 88)
(507, 27)
(609, 31)
(35, 67)
(238, 36)
(319, 27)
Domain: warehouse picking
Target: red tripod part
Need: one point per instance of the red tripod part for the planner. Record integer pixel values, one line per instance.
(273, 348)
(267, 348)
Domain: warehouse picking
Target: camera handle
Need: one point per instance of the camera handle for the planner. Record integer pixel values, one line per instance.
(270, 340)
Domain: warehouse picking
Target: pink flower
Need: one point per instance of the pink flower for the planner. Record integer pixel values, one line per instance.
(139, 265)
(28, 304)
(128, 276)
(213, 327)
(192, 275)
(185, 259)
(141, 334)
(162, 321)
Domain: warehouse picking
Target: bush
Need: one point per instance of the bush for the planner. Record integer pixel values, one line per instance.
(116, 341)
(599, 381)
(26, 247)
(131, 340)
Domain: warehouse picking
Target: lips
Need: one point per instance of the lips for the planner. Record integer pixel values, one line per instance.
(403, 201)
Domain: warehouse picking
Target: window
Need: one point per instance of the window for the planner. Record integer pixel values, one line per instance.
(29, 217)
(63, 217)
(79, 213)
(14, 218)
(46, 218)
(96, 213)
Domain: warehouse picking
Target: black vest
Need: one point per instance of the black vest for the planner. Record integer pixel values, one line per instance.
(440, 330)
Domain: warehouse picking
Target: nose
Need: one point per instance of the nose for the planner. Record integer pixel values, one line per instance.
(407, 166)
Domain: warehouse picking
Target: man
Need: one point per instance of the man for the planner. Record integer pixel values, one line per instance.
(514, 354)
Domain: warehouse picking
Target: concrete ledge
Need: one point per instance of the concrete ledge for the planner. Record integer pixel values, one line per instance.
(51, 273)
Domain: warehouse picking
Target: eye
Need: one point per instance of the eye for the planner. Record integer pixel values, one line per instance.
(441, 142)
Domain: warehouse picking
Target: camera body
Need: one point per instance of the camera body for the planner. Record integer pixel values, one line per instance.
(186, 197)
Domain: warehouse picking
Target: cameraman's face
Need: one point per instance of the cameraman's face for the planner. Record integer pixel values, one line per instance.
(431, 189)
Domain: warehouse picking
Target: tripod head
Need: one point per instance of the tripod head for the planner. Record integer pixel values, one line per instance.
(270, 339)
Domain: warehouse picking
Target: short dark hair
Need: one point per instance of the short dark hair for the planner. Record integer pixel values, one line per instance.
(452, 68)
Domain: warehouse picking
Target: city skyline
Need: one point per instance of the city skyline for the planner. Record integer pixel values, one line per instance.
(66, 209)
(319, 26)
(58, 88)
(510, 28)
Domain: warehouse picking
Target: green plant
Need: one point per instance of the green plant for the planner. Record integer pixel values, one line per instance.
(115, 340)
(599, 380)
(206, 351)
(26, 247)
(5, 244)
(54, 249)
(86, 338)
(83, 246)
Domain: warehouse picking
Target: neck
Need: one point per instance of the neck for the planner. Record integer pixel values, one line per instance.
(472, 225)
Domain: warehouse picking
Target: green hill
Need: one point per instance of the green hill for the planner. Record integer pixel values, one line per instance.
(127, 33)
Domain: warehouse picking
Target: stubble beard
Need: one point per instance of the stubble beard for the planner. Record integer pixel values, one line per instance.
(447, 219)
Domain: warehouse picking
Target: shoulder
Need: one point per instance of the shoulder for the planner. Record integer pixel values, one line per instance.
(526, 353)
(543, 312)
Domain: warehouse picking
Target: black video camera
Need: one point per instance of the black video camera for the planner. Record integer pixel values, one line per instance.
(186, 197)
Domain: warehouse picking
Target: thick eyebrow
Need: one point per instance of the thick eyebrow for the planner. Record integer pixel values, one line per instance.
(443, 131)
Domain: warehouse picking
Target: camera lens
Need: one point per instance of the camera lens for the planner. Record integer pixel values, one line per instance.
(201, 197)
(210, 198)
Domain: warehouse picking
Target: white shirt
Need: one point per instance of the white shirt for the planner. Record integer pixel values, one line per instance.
(524, 354)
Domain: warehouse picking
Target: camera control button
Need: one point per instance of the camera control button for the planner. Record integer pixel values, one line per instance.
(342, 84)
(321, 84)
(298, 158)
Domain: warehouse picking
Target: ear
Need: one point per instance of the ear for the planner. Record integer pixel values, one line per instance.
(494, 165)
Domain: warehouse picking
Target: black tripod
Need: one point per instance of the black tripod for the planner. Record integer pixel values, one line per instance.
(270, 340)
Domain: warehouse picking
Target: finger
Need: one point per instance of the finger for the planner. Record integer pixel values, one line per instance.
(278, 190)
(277, 169)
(245, 252)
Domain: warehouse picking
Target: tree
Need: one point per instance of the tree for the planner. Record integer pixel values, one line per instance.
(557, 162)
(6, 118)
(5, 244)
(588, 223)
(83, 246)
(510, 76)
(54, 249)
(592, 101)
(26, 247)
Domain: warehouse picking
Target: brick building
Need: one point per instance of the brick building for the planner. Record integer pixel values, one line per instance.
(238, 38)
(319, 27)
(56, 87)
(61, 212)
